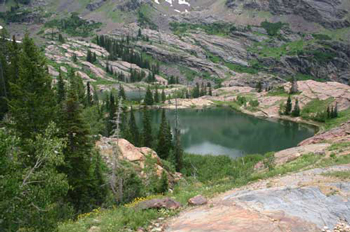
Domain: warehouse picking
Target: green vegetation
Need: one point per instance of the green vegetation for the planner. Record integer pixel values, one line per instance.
(74, 25)
(272, 29)
(321, 37)
(344, 175)
(221, 29)
(144, 15)
(316, 110)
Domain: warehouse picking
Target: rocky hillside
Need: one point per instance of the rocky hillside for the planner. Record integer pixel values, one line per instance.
(209, 40)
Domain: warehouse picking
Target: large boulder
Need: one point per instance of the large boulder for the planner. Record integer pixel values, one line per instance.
(197, 200)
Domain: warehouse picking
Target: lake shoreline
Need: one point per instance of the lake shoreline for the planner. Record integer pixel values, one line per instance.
(258, 114)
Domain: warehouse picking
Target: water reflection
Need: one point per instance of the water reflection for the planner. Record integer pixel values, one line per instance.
(224, 131)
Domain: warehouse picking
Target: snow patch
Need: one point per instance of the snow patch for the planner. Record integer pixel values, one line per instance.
(170, 2)
(177, 11)
(157, 1)
(183, 2)
(1, 27)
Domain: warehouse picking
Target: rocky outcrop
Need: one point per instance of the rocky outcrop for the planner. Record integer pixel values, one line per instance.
(306, 201)
(95, 5)
(137, 157)
(338, 134)
(329, 13)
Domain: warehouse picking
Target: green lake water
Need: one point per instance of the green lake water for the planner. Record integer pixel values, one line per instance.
(222, 131)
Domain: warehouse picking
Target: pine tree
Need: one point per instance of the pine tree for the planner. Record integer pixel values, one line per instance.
(133, 132)
(148, 97)
(156, 96)
(259, 87)
(178, 151)
(147, 129)
(4, 85)
(139, 34)
(75, 59)
(89, 56)
(335, 111)
(164, 138)
(79, 87)
(196, 91)
(296, 110)
(61, 92)
(163, 96)
(288, 108)
(61, 39)
(88, 95)
(164, 183)
(122, 92)
(95, 97)
(31, 105)
(111, 114)
(78, 155)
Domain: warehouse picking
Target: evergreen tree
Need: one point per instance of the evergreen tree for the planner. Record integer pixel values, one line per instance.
(4, 85)
(61, 92)
(94, 58)
(156, 96)
(259, 87)
(139, 34)
(148, 97)
(89, 57)
(78, 155)
(147, 129)
(133, 132)
(163, 96)
(178, 151)
(111, 114)
(196, 91)
(75, 59)
(61, 39)
(164, 138)
(95, 97)
(296, 110)
(164, 183)
(78, 86)
(288, 108)
(88, 95)
(335, 111)
(122, 92)
(31, 103)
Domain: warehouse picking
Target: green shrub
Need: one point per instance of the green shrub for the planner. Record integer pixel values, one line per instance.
(272, 29)
(74, 25)
(254, 103)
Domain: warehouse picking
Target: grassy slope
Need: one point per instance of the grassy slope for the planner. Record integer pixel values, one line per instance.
(223, 174)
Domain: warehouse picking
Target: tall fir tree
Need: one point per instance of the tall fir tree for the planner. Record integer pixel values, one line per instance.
(111, 114)
(147, 133)
(296, 110)
(163, 96)
(61, 92)
(83, 194)
(122, 92)
(156, 96)
(164, 138)
(288, 108)
(148, 97)
(88, 95)
(31, 105)
(133, 131)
